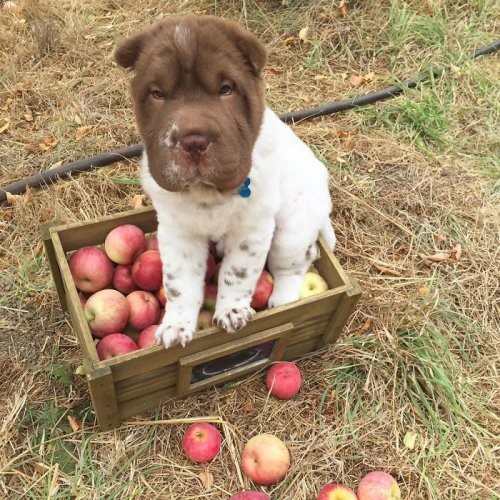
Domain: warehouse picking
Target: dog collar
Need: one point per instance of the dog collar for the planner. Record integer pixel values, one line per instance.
(244, 190)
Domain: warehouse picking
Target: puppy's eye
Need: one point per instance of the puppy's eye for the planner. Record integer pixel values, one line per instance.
(157, 94)
(226, 89)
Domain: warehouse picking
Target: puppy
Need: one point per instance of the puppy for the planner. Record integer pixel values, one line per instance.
(219, 165)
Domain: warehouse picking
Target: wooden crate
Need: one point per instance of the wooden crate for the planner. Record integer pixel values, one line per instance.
(130, 384)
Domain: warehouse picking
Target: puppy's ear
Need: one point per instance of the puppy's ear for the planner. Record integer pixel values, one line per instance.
(128, 51)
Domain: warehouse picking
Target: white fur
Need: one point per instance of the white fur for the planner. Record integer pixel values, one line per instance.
(288, 207)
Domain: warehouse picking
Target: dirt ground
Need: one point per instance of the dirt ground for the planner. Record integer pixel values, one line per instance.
(412, 385)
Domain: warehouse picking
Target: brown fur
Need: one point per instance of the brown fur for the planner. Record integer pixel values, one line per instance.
(181, 66)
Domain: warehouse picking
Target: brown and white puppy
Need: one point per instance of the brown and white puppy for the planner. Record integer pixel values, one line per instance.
(220, 165)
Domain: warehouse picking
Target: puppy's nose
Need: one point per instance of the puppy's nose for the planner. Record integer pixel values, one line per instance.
(195, 144)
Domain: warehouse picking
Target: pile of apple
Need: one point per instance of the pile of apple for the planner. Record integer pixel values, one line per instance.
(121, 290)
(266, 459)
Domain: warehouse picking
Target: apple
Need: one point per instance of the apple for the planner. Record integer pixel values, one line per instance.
(124, 243)
(152, 243)
(122, 279)
(147, 271)
(144, 309)
(115, 344)
(106, 311)
(83, 298)
(161, 296)
(335, 491)
(312, 284)
(91, 269)
(211, 267)
(215, 276)
(250, 495)
(147, 337)
(201, 442)
(263, 290)
(210, 296)
(283, 380)
(265, 459)
(205, 319)
(378, 485)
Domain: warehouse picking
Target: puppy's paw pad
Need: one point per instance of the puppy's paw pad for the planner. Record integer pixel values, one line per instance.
(169, 335)
(232, 319)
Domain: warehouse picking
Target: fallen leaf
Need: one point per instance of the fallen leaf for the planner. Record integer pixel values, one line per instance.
(273, 71)
(207, 478)
(345, 134)
(343, 8)
(303, 34)
(57, 164)
(369, 76)
(423, 290)
(74, 423)
(367, 326)
(437, 257)
(410, 439)
(439, 238)
(355, 80)
(457, 252)
(137, 201)
(80, 370)
(386, 270)
(13, 199)
(48, 143)
(4, 127)
(82, 131)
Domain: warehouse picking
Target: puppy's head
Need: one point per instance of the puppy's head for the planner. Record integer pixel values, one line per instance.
(199, 99)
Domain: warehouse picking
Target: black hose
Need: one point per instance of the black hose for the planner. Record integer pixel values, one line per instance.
(103, 159)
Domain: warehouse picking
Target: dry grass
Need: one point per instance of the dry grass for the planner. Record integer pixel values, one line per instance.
(409, 178)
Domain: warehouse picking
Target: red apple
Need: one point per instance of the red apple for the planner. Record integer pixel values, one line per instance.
(161, 296)
(283, 379)
(83, 298)
(263, 291)
(205, 319)
(106, 312)
(152, 243)
(201, 442)
(215, 276)
(378, 485)
(115, 344)
(334, 491)
(91, 269)
(265, 459)
(250, 495)
(147, 337)
(147, 271)
(210, 297)
(124, 243)
(122, 279)
(211, 267)
(313, 283)
(144, 309)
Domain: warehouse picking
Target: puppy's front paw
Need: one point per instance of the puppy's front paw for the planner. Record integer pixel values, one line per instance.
(170, 333)
(232, 318)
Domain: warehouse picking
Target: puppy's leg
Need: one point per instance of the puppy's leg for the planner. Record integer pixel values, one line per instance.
(184, 258)
(244, 258)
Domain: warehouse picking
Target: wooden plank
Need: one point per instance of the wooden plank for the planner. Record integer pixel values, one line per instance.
(342, 314)
(294, 351)
(103, 396)
(94, 232)
(146, 402)
(54, 265)
(329, 267)
(73, 302)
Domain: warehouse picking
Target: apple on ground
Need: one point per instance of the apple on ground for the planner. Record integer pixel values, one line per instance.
(147, 337)
(124, 243)
(201, 442)
(378, 485)
(250, 495)
(335, 491)
(211, 267)
(210, 296)
(312, 284)
(263, 291)
(115, 344)
(91, 269)
(147, 271)
(161, 296)
(205, 319)
(144, 309)
(122, 279)
(106, 311)
(265, 459)
(152, 243)
(283, 379)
